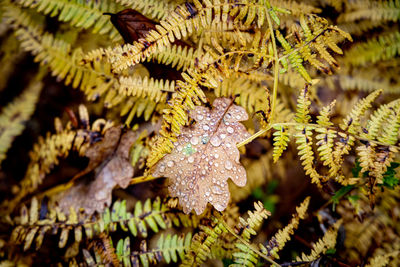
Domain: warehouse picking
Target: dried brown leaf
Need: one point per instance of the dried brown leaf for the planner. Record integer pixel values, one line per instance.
(205, 156)
(109, 159)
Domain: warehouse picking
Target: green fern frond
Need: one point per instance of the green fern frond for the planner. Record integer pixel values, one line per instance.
(168, 248)
(152, 214)
(372, 10)
(79, 14)
(384, 47)
(15, 114)
(244, 256)
(294, 57)
(199, 250)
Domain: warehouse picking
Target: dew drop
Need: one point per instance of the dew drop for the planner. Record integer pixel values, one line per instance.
(228, 145)
(229, 130)
(238, 117)
(215, 141)
(216, 164)
(179, 148)
(205, 127)
(170, 163)
(210, 198)
(162, 168)
(222, 136)
(207, 193)
(228, 115)
(216, 156)
(228, 165)
(191, 159)
(203, 172)
(217, 190)
(200, 117)
(194, 140)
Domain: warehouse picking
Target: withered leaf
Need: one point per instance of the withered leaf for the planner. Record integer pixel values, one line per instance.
(205, 156)
(109, 159)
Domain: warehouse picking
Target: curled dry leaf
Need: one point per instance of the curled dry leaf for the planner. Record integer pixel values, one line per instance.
(109, 159)
(205, 156)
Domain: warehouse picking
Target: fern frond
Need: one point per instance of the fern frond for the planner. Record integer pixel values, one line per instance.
(380, 122)
(382, 260)
(278, 241)
(14, 115)
(313, 37)
(168, 248)
(61, 59)
(151, 8)
(326, 138)
(79, 14)
(281, 139)
(147, 88)
(384, 47)
(295, 8)
(44, 157)
(304, 136)
(392, 126)
(328, 241)
(199, 250)
(245, 256)
(183, 21)
(150, 215)
(372, 10)
(252, 96)
(177, 56)
(188, 94)
(294, 57)
(352, 122)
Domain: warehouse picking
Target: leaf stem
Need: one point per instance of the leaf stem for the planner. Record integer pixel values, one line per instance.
(276, 67)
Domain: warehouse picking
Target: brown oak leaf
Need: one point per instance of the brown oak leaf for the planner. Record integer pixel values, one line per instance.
(205, 156)
(109, 159)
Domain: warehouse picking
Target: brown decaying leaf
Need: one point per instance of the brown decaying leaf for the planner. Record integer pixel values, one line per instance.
(205, 156)
(109, 159)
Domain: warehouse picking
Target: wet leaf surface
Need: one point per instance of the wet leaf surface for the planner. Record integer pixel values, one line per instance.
(205, 156)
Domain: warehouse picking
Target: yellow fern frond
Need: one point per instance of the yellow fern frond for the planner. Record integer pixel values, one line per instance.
(179, 57)
(151, 8)
(328, 241)
(382, 260)
(14, 115)
(150, 88)
(79, 14)
(352, 122)
(281, 139)
(278, 241)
